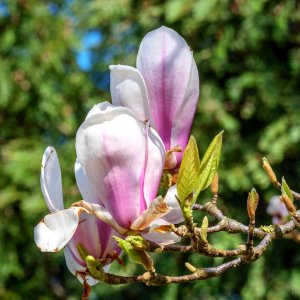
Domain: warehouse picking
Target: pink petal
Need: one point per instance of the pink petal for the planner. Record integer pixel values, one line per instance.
(128, 89)
(87, 234)
(166, 63)
(51, 180)
(110, 146)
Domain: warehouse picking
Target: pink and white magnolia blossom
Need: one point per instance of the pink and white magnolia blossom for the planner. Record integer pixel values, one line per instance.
(88, 231)
(277, 210)
(118, 169)
(164, 88)
(122, 159)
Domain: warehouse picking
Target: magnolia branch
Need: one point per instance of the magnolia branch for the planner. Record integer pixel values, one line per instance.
(151, 278)
(229, 225)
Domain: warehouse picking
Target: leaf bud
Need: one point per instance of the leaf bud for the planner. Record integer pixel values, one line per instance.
(214, 187)
(268, 169)
(137, 242)
(204, 226)
(288, 204)
(95, 267)
(252, 203)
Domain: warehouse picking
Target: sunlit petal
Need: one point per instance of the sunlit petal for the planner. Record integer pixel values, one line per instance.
(128, 89)
(51, 180)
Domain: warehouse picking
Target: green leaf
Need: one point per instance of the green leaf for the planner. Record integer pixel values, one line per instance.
(209, 164)
(285, 189)
(189, 170)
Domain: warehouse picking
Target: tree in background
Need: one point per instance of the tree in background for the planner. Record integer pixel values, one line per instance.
(248, 56)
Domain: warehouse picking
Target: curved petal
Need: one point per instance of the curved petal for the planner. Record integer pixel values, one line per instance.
(128, 89)
(185, 114)
(174, 216)
(165, 61)
(56, 229)
(51, 180)
(155, 163)
(156, 209)
(159, 236)
(87, 234)
(110, 147)
(84, 185)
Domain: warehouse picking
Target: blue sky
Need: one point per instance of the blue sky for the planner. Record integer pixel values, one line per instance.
(84, 56)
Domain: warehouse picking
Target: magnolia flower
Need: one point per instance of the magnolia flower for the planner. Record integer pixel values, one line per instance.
(122, 160)
(277, 210)
(163, 89)
(118, 170)
(91, 233)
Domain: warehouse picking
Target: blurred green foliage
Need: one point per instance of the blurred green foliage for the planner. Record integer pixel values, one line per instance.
(248, 55)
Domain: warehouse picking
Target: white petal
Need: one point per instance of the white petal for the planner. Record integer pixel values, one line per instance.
(174, 216)
(51, 180)
(128, 89)
(155, 163)
(56, 229)
(164, 238)
(86, 189)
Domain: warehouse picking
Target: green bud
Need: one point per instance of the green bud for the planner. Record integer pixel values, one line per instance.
(95, 267)
(137, 242)
(138, 256)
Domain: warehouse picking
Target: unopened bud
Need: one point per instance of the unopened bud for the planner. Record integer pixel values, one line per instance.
(288, 204)
(190, 267)
(252, 203)
(203, 232)
(268, 169)
(171, 160)
(95, 267)
(214, 187)
(146, 260)
(137, 242)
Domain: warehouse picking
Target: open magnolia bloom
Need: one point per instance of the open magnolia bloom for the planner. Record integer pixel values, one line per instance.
(277, 210)
(118, 170)
(164, 88)
(87, 232)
